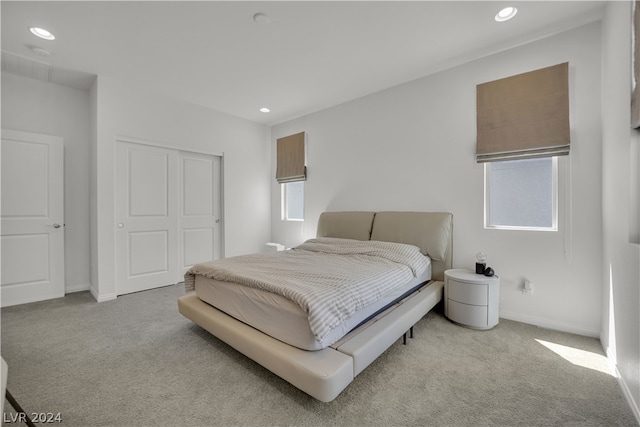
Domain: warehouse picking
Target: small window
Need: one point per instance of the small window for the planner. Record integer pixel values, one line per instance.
(521, 194)
(293, 201)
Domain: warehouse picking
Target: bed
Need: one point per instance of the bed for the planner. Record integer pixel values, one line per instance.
(321, 350)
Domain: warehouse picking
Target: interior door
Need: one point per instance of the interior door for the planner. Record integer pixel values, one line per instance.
(199, 217)
(168, 213)
(146, 215)
(32, 217)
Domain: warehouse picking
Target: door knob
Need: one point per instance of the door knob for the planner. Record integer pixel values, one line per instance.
(56, 225)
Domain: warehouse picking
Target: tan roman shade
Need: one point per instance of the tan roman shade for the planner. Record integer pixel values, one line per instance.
(524, 116)
(291, 160)
(635, 62)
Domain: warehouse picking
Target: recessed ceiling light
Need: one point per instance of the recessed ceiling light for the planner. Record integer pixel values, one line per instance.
(506, 14)
(265, 110)
(261, 18)
(42, 33)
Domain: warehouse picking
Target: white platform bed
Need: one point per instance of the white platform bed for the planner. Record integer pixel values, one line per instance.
(324, 369)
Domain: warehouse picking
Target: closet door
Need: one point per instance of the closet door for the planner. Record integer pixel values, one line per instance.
(146, 217)
(168, 214)
(199, 225)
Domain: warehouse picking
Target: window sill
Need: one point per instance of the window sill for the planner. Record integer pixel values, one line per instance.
(519, 228)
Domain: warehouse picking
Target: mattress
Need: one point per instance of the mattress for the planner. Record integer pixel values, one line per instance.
(281, 318)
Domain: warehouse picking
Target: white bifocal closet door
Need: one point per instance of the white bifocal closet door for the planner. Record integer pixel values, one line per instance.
(167, 214)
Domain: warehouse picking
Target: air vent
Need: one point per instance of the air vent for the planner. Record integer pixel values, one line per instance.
(26, 67)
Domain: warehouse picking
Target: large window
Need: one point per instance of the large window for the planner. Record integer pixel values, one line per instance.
(293, 201)
(521, 194)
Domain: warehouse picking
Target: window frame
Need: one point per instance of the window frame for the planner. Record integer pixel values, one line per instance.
(554, 202)
(284, 202)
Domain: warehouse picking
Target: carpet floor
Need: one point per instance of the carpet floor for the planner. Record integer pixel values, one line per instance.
(135, 361)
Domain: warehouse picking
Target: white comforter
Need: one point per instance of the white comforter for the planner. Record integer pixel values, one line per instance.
(328, 278)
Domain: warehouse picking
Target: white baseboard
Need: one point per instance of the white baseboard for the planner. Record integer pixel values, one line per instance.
(625, 389)
(550, 324)
(102, 297)
(77, 288)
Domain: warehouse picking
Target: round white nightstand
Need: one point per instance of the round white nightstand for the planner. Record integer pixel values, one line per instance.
(471, 299)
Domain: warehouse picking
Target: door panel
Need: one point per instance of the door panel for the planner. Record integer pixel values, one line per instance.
(24, 163)
(199, 219)
(148, 253)
(146, 214)
(198, 186)
(32, 217)
(148, 179)
(25, 259)
(198, 246)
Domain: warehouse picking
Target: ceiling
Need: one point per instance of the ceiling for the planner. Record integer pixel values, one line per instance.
(309, 56)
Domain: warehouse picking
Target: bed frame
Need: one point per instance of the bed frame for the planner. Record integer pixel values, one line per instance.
(324, 373)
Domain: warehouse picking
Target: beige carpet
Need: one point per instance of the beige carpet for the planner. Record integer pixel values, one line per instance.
(136, 361)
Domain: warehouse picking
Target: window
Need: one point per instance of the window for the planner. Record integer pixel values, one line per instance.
(291, 172)
(293, 201)
(522, 126)
(521, 194)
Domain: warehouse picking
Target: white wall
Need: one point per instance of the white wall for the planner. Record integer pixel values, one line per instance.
(35, 106)
(89, 123)
(122, 109)
(412, 147)
(621, 261)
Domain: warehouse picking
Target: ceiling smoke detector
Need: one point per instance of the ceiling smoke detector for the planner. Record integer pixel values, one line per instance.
(261, 18)
(39, 51)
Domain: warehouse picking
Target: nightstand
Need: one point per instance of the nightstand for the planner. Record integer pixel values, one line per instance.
(471, 299)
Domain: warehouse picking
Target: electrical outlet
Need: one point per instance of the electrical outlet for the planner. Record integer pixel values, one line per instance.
(527, 288)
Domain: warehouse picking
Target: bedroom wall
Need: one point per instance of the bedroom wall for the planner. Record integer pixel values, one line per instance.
(122, 109)
(36, 106)
(412, 147)
(621, 261)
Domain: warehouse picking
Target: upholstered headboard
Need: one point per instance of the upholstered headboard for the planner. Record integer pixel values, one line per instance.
(432, 232)
(346, 225)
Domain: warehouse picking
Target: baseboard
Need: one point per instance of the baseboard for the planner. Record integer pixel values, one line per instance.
(102, 297)
(549, 324)
(77, 288)
(625, 389)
